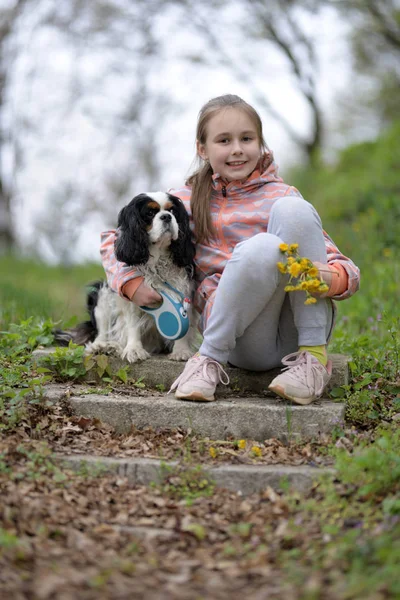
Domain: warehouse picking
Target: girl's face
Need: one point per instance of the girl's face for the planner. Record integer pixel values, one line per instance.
(232, 144)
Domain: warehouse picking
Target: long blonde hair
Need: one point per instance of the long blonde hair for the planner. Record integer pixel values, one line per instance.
(201, 179)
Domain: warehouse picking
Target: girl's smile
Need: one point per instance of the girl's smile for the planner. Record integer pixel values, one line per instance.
(232, 145)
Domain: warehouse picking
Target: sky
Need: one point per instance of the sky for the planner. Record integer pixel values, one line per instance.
(68, 155)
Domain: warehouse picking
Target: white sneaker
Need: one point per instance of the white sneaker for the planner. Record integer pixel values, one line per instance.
(304, 378)
(199, 379)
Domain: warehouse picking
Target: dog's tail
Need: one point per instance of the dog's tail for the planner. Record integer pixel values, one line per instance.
(85, 332)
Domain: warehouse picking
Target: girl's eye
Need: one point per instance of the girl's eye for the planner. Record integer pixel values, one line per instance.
(247, 138)
(224, 141)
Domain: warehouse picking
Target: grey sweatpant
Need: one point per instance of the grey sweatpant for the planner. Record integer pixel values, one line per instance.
(254, 323)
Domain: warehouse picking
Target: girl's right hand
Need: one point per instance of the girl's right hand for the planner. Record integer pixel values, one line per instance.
(146, 296)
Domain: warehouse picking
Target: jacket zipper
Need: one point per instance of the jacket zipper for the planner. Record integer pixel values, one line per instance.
(223, 242)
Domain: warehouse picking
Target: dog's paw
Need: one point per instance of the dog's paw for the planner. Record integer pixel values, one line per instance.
(181, 354)
(103, 348)
(135, 354)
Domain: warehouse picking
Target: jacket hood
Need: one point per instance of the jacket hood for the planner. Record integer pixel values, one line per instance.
(265, 172)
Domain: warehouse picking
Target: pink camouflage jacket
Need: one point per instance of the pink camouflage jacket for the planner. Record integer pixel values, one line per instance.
(239, 211)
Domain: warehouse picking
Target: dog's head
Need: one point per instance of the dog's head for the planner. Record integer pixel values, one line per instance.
(154, 219)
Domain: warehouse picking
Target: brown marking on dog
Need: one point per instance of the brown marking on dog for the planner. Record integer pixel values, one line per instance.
(153, 204)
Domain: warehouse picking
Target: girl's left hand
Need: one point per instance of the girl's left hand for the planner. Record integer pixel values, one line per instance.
(324, 273)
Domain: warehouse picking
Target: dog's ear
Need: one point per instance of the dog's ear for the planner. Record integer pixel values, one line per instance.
(132, 243)
(183, 249)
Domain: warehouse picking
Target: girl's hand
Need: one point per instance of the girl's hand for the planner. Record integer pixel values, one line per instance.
(324, 273)
(146, 296)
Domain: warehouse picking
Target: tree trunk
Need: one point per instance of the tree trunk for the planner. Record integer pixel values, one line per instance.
(6, 233)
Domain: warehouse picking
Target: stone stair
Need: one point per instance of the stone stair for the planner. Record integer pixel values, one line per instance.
(243, 478)
(243, 410)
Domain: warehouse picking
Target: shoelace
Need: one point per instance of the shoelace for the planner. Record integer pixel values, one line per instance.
(312, 375)
(201, 364)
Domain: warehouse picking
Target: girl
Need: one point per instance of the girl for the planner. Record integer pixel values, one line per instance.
(240, 212)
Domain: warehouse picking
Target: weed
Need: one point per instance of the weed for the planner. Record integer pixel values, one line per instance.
(67, 362)
(91, 470)
(289, 416)
(8, 540)
(185, 484)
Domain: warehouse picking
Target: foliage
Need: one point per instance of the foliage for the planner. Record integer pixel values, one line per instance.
(375, 43)
(71, 363)
(33, 288)
(21, 386)
(185, 483)
(374, 470)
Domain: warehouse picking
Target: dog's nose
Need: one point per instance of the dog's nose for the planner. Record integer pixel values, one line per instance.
(166, 217)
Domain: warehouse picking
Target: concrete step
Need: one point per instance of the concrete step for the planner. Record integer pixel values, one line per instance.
(159, 370)
(257, 418)
(244, 479)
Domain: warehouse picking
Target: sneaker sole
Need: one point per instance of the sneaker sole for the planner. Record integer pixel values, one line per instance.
(194, 396)
(281, 392)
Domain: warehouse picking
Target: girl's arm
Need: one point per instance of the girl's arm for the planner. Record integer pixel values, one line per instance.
(122, 279)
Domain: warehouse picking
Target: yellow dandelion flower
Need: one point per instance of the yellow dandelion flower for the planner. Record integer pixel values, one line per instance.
(282, 268)
(313, 272)
(291, 260)
(323, 287)
(295, 269)
(283, 247)
(310, 300)
(313, 285)
(242, 444)
(305, 263)
(303, 285)
(293, 248)
(256, 451)
(289, 288)
(213, 452)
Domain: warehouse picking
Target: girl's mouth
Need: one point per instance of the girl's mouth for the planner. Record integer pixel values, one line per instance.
(236, 164)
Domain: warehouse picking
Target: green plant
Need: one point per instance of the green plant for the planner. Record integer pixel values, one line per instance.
(67, 362)
(185, 483)
(22, 338)
(374, 468)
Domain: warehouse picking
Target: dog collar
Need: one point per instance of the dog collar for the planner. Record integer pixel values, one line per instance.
(171, 318)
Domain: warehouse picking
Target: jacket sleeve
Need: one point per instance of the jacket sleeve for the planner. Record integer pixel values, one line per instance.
(118, 273)
(353, 272)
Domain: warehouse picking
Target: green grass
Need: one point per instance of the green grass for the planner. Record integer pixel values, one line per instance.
(30, 288)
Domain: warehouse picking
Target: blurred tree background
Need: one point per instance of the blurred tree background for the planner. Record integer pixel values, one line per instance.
(92, 97)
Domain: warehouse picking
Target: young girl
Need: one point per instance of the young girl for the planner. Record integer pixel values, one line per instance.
(240, 212)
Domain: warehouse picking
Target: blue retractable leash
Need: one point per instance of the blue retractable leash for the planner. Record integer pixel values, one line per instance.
(172, 320)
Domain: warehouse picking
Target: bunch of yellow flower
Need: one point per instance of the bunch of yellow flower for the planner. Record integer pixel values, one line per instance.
(303, 271)
(256, 451)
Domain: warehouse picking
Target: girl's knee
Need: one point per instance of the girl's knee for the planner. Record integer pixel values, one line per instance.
(293, 209)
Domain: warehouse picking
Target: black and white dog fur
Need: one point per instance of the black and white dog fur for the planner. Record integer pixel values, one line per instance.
(153, 236)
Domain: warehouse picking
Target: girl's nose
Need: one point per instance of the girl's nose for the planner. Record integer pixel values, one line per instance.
(237, 148)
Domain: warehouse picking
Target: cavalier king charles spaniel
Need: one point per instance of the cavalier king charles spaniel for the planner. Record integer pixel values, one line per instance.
(153, 235)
